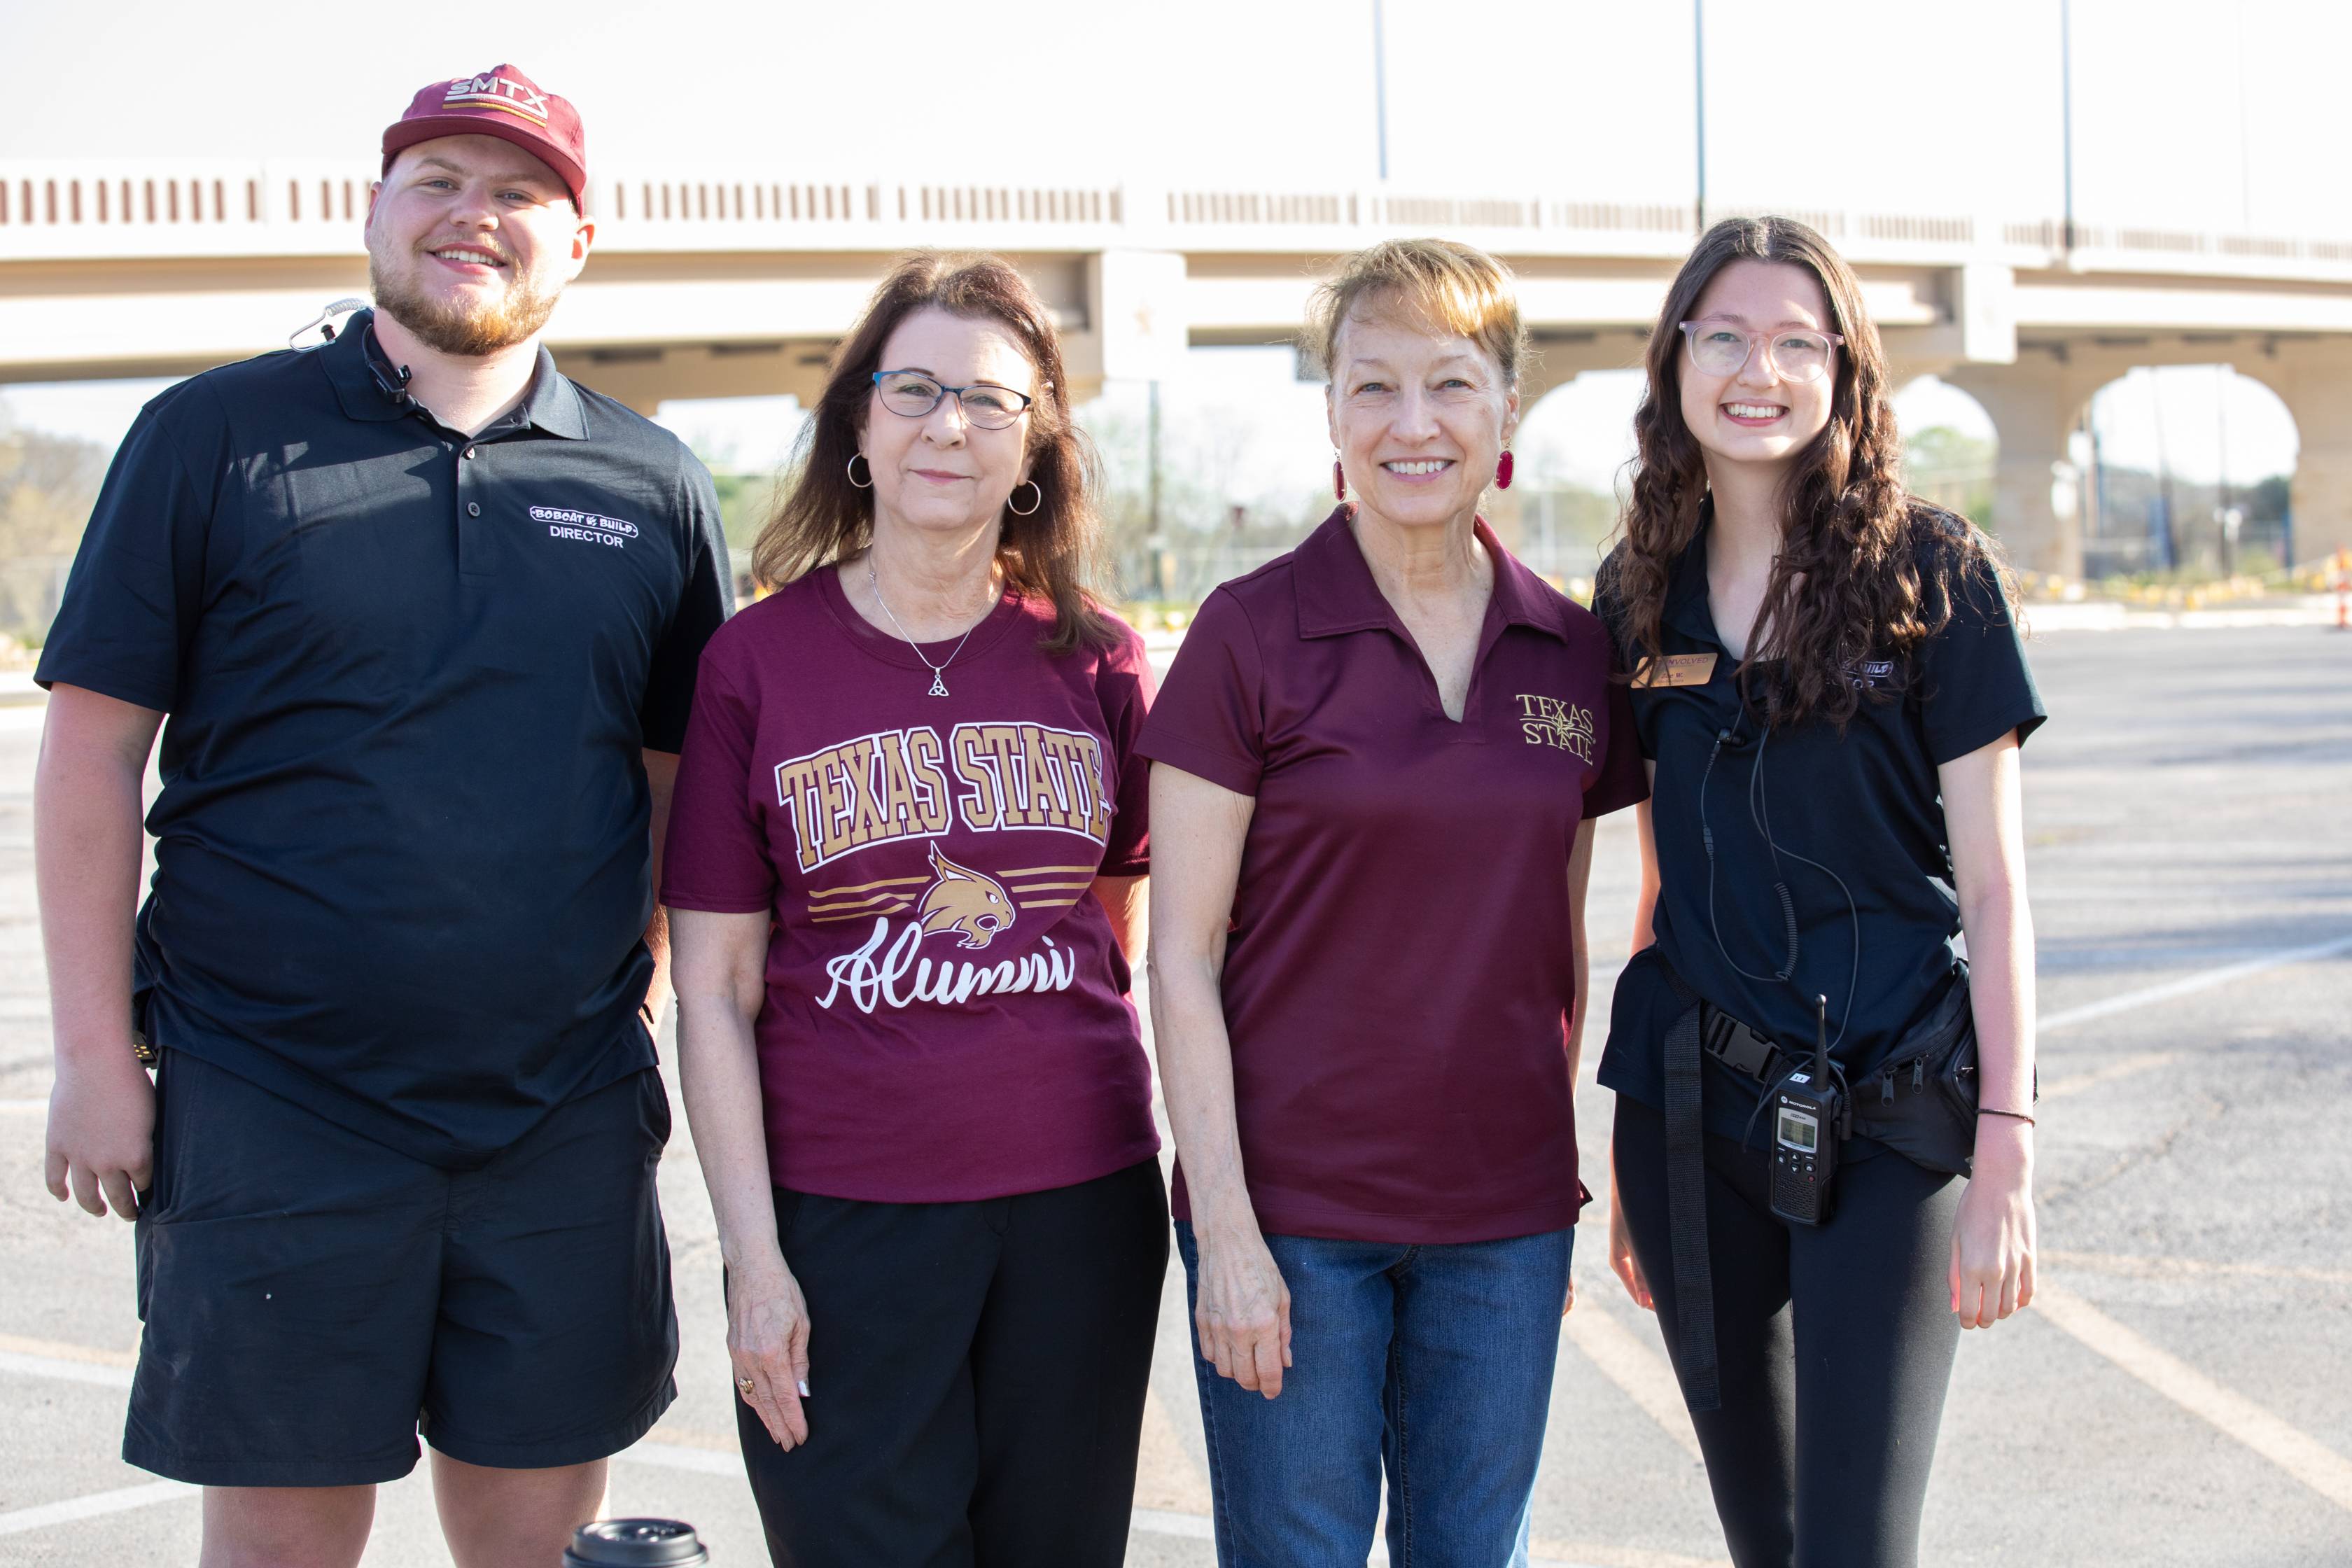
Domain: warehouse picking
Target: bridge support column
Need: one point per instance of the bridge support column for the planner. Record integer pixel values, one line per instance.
(2315, 385)
(2033, 405)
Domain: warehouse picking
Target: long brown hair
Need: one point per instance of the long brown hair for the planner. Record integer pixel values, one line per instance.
(1865, 567)
(1053, 553)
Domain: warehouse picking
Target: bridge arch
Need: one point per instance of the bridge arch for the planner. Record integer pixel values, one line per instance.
(2038, 403)
(2185, 466)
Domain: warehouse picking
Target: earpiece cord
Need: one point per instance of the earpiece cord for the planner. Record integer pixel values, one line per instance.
(1707, 839)
(1759, 811)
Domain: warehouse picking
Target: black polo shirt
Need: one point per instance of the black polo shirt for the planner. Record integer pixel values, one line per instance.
(400, 864)
(1863, 803)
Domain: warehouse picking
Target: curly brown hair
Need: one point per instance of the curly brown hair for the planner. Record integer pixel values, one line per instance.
(1054, 552)
(1864, 567)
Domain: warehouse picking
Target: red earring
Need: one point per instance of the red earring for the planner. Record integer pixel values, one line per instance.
(1339, 480)
(1503, 471)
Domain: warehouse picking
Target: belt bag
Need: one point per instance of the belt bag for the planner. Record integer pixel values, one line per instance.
(1922, 1103)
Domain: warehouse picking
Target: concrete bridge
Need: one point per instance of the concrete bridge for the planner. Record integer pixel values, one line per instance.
(717, 282)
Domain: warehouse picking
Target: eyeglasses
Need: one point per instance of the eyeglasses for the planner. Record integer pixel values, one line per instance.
(915, 394)
(1717, 347)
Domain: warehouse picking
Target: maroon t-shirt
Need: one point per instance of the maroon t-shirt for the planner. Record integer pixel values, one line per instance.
(1399, 973)
(948, 1014)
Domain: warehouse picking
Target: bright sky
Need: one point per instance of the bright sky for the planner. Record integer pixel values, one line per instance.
(2191, 114)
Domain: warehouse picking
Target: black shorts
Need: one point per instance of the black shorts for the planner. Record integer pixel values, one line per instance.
(313, 1300)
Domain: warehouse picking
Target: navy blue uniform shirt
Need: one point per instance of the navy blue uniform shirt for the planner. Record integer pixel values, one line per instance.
(1864, 802)
(401, 873)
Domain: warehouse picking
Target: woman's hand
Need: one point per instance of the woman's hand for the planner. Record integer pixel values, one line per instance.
(1992, 1238)
(767, 1341)
(1622, 1262)
(1242, 1307)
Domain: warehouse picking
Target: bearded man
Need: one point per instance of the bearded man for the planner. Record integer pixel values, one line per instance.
(424, 617)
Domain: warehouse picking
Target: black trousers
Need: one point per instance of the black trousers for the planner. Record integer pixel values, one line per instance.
(1835, 1345)
(977, 1373)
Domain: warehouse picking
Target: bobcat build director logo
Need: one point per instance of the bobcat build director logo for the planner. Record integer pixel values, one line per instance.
(587, 527)
(1552, 722)
(498, 92)
(964, 901)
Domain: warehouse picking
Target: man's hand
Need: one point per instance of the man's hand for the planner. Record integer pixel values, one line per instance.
(102, 1146)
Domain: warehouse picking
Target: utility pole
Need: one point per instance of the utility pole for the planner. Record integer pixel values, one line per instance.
(1381, 86)
(1154, 540)
(2066, 114)
(2171, 535)
(1699, 99)
(2226, 516)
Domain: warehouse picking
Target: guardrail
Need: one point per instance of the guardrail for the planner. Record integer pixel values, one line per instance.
(162, 208)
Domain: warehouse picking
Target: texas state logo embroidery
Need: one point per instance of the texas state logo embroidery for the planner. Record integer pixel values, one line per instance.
(1556, 722)
(963, 899)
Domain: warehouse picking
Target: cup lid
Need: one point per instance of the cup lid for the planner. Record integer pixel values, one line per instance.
(636, 1544)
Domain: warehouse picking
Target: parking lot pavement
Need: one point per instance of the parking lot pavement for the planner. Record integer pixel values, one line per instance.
(2176, 1399)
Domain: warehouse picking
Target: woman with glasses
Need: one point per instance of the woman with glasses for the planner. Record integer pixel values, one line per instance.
(1377, 767)
(1829, 688)
(905, 871)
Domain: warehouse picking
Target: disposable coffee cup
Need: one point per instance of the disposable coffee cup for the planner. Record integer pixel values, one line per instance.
(636, 1543)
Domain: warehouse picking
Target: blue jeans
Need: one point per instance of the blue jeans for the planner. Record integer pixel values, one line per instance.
(1432, 1362)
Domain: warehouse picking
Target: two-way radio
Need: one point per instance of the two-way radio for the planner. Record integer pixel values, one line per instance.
(1809, 1113)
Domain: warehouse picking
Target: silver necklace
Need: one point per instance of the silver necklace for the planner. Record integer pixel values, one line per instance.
(939, 671)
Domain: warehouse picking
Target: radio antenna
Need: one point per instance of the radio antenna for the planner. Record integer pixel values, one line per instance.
(1820, 1039)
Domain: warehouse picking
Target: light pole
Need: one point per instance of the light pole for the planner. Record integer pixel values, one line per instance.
(1381, 88)
(2066, 114)
(1698, 100)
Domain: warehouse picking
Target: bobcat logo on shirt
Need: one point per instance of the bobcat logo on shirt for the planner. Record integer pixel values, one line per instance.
(964, 901)
(1558, 724)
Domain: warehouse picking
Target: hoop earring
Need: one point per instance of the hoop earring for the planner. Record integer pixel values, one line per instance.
(855, 458)
(1339, 478)
(1036, 490)
(1503, 471)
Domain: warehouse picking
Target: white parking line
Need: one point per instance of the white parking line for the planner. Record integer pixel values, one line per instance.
(64, 1371)
(2122, 1067)
(1145, 1521)
(677, 1456)
(1643, 1374)
(2138, 1267)
(95, 1506)
(2203, 980)
(2231, 1414)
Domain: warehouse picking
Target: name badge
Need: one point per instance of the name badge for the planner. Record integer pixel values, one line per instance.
(1676, 669)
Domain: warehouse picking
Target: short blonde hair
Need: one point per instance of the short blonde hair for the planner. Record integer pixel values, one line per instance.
(1457, 288)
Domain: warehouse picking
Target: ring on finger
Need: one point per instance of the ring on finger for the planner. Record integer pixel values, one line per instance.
(745, 1384)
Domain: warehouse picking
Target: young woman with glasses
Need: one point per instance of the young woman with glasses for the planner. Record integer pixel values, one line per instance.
(906, 870)
(1829, 688)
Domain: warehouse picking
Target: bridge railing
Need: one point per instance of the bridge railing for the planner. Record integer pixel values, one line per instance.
(93, 208)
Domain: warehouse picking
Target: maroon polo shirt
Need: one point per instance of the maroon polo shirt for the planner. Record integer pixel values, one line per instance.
(1400, 971)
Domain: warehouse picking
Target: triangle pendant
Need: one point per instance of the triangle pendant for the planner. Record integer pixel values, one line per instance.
(939, 684)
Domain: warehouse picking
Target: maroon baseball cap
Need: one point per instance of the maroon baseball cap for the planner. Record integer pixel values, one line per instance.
(501, 102)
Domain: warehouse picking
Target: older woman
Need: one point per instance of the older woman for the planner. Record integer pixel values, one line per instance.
(1377, 764)
(906, 865)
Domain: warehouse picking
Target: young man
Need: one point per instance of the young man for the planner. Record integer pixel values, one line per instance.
(425, 616)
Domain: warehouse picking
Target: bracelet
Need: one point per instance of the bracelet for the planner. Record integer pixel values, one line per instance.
(2013, 1115)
